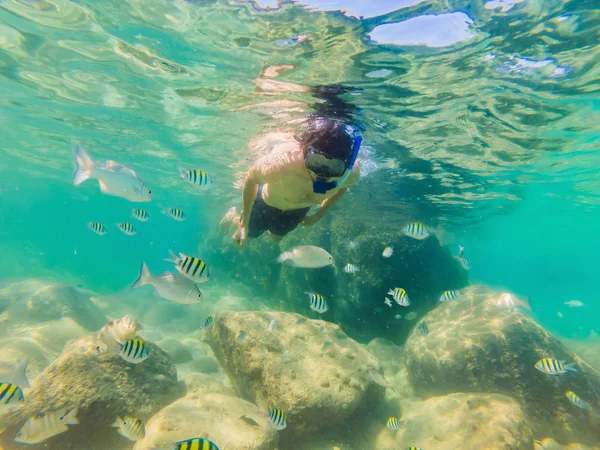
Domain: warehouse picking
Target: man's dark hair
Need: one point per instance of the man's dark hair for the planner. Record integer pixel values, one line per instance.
(329, 137)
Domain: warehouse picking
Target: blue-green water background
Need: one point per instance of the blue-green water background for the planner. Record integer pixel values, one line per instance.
(500, 160)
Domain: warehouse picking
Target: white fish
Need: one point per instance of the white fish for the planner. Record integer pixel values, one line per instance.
(306, 256)
(387, 252)
(119, 330)
(574, 304)
(126, 228)
(416, 230)
(130, 428)
(39, 428)
(508, 301)
(351, 268)
(170, 286)
(272, 325)
(388, 302)
(114, 178)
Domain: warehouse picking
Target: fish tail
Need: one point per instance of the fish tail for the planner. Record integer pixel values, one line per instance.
(118, 422)
(390, 292)
(284, 257)
(84, 165)
(571, 367)
(19, 376)
(71, 418)
(144, 277)
(526, 304)
(173, 258)
(183, 173)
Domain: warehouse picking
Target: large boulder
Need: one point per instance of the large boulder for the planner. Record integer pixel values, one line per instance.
(309, 368)
(458, 422)
(102, 386)
(212, 411)
(475, 346)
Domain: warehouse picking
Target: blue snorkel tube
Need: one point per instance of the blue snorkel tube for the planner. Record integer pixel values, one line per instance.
(321, 185)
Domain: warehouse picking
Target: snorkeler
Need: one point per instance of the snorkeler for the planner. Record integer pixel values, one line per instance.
(281, 187)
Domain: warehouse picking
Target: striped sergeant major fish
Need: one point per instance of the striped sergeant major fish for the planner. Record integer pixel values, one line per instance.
(126, 228)
(134, 351)
(10, 395)
(39, 428)
(97, 228)
(191, 444)
(399, 296)
(448, 296)
(140, 214)
(130, 428)
(277, 419)
(175, 213)
(190, 267)
(574, 398)
(317, 302)
(394, 424)
(552, 366)
(416, 230)
(195, 177)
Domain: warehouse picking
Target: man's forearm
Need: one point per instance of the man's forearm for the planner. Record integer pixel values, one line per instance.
(248, 196)
(328, 203)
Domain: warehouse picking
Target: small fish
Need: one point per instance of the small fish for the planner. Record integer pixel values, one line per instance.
(306, 256)
(126, 228)
(39, 428)
(175, 213)
(555, 367)
(277, 419)
(134, 351)
(170, 286)
(394, 424)
(423, 329)
(140, 214)
(317, 302)
(352, 245)
(574, 304)
(416, 230)
(119, 330)
(114, 178)
(208, 321)
(463, 263)
(97, 228)
(193, 268)
(130, 428)
(449, 296)
(388, 302)
(272, 326)
(461, 251)
(387, 252)
(195, 177)
(574, 398)
(398, 316)
(411, 316)
(400, 297)
(191, 444)
(241, 337)
(351, 268)
(249, 420)
(10, 395)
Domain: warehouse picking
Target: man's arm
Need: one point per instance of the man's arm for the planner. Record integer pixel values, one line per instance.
(249, 195)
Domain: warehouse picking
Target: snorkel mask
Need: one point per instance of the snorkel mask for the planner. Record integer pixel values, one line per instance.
(326, 168)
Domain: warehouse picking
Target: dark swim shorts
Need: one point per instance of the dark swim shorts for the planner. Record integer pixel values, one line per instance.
(264, 217)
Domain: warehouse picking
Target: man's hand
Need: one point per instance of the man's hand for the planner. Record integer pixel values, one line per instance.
(309, 221)
(239, 237)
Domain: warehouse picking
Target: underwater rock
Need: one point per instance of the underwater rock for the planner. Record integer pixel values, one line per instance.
(210, 410)
(34, 301)
(309, 368)
(102, 386)
(475, 346)
(460, 421)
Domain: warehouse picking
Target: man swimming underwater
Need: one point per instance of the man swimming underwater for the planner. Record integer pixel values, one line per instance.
(281, 187)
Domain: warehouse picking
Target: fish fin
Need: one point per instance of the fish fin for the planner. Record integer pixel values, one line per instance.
(390, 292)
(71, 417)
(144, 277)
(285, 256)
(183, 173)
(118, 422)
(116, 167)
(84, 165)
(571, 367)
(173, 258)
(525, 304)
(19, 375)
(103, 187)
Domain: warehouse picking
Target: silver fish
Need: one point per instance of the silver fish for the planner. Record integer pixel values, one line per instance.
(272, 325)
(351, 268)
(39, 428)
(170, 286)
(306, 256)
(114, 178)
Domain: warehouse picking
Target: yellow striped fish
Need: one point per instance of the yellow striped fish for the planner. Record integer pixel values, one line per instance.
(140, 214)
(317, 302)
(399, 296)
(394, 424)
(10, 394)
(277, 419)
(175, 213)
(195, 177)
(97, 228)
(194, 444)
(126, 228)
(134, 351)
(448, 296)
(552, 366)
(190, 267)
(130, 428)
(416, 230)
(574, 398)
(208, 321)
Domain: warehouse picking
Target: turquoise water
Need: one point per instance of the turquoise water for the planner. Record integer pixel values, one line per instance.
(482, 121)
